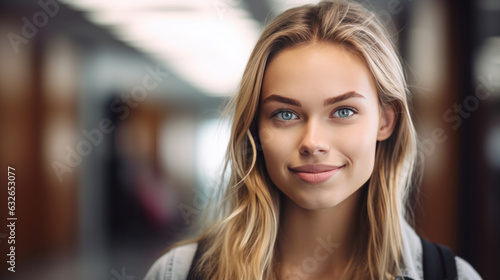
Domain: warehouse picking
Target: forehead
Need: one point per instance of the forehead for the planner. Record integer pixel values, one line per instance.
(323, 69)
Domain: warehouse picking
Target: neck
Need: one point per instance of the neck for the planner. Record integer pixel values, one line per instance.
(318, 242)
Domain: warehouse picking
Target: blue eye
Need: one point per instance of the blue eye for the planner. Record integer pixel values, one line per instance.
(285, 115)
(344, 113)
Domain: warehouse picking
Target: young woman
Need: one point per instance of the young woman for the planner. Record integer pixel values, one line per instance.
(322, 156)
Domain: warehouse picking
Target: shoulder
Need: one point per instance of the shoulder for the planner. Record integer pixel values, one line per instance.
(174, 265)
(413, 256)
(465, 271)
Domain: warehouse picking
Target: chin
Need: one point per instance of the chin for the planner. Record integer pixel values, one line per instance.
(319, 202)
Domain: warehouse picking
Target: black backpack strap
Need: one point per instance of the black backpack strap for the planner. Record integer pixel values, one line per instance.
(439, 261)
(199, 251)
(449, 262)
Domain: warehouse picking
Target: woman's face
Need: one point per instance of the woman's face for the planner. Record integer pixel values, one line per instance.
(319, 122)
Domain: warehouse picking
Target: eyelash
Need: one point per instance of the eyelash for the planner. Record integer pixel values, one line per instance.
(279, 111)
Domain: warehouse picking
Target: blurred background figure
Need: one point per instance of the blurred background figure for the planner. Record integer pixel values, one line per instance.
(110, 113)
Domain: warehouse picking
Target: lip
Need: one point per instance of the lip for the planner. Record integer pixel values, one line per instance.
(315, 173)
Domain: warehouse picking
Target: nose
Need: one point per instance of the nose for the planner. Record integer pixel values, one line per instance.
(314, 140)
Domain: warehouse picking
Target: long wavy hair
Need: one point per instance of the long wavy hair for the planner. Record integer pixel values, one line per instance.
(240, 239)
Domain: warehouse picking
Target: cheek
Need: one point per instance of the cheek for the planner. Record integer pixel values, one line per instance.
(358, 143)
(275, 146)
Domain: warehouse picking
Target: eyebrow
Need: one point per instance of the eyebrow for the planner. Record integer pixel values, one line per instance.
(328, 101)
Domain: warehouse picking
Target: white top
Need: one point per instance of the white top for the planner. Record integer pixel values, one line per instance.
(175, 264)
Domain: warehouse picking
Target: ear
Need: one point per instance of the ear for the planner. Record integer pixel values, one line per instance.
(387, 122)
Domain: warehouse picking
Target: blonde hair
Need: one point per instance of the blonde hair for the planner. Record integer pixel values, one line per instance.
(241, 241)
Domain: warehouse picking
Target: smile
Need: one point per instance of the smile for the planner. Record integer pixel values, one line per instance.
(315, 174)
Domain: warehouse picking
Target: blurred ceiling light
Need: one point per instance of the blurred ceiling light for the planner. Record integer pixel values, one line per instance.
(99, 5)
(207, 43)
(279, 6)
